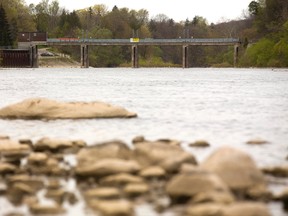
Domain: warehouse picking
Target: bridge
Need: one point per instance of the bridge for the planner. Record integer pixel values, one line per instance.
(135, 43)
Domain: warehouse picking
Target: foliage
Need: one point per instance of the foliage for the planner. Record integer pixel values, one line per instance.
(264, 33)
(5, 34)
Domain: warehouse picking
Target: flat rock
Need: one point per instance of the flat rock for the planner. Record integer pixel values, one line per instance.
(57, 144)
(235, 209)
(247, 209)
(136, 189)
(113, 207)
(38, 209)
(42, 108)
(121, 179)
(102, 193)
(106, 167)
(153, 172)
(7, 168)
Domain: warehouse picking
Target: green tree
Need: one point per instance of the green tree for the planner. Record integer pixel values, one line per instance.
(5, 34)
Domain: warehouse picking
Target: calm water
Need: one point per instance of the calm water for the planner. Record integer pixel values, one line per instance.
(222, 106)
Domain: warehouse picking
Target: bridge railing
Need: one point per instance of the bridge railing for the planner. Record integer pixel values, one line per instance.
(143, 41)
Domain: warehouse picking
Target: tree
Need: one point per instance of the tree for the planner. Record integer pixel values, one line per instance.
(5, 34)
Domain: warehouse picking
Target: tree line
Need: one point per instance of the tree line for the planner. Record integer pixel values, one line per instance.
(263, 32)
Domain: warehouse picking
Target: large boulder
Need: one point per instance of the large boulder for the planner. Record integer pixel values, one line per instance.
(41, 108)
(183, 187)
(159, 153)
(113, 149)
(236, 168)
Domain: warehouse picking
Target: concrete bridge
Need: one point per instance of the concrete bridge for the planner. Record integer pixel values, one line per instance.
(135, 43)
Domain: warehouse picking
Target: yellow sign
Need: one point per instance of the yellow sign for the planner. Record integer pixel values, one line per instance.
(134, 40)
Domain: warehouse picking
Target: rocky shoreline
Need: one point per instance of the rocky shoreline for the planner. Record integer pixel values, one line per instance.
(113, 179)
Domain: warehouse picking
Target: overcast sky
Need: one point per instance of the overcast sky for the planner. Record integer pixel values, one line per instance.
(213, 10)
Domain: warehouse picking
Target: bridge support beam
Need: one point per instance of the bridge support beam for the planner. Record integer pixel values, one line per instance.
(34, 63)
(84, 56)
(185, 62)
(135, 59)
(236, 53)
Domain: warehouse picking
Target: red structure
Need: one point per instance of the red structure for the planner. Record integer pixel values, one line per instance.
(32, 36)
(15, 58)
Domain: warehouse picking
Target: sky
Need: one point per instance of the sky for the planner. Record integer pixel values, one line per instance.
(213, 10)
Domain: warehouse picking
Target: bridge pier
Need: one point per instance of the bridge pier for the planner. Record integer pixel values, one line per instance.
(185, 62)
(84, 56)
(236, 53)
(135, 59)
(34, 63)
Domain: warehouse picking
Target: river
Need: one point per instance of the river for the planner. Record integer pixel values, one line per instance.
(223, 106)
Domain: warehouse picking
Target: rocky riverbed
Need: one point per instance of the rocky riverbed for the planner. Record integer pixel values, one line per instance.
(114, 179)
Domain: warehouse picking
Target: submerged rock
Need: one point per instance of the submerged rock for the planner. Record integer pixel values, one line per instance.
(41, 108)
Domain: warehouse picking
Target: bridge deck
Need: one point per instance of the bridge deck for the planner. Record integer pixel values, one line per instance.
(143, 42)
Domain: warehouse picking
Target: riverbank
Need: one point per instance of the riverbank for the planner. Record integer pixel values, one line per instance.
(48, 59)
(112, 179)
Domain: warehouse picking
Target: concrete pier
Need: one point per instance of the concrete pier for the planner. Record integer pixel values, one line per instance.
(135, 59)
(84, 56)
(34, 61)
(185, 62)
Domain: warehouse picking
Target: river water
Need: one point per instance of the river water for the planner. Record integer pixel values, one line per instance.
(222, 106)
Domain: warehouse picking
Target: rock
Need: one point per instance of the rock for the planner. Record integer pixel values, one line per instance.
(169, 142)
(26, 142)
(183, 187)
(113, 207)
(4, 137)
(50, 167)
(213, 197)
(138, 189)
(189, 168)
(54, 184)
(38, 209)
(41, 108)
(17, 191)
(120, 179)
(106, 167)
(138, 139)
(236, 209)
(236, 168)
(34, 182)
(7, 168)
(199, 143)
(102, 193)
(169, 157)
(247, 209)
(113, 149)
(257, 141)
(58, 195)
(153, 172)
(37, 159)
(283, 197)
(277, 171)
(206, 209)
(13, 149)
(53, 145)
